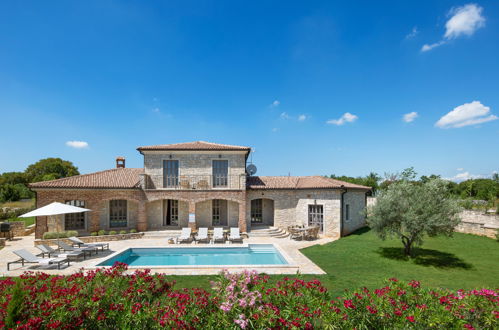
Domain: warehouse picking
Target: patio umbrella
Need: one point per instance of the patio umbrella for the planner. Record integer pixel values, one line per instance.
(53, 210)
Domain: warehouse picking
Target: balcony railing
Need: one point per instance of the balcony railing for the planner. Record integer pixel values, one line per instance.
(193, 182)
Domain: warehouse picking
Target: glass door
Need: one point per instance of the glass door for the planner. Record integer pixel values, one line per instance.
(316, 216)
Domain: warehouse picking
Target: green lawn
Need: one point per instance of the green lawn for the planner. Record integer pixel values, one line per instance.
(361, 259)
(463, 261)
(27, 221)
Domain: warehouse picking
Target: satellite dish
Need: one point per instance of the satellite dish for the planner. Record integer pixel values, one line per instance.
(251, 169)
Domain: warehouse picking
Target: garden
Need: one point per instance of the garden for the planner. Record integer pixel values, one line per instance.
(113, 299)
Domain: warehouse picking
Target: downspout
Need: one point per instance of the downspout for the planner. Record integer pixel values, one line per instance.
(342, 213)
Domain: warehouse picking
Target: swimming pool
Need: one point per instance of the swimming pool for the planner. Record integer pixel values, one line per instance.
(253, 254)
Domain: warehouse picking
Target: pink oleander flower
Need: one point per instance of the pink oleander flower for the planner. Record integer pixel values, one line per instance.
(242, 321)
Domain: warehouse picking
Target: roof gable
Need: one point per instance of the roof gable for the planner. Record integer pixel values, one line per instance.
(197, 145)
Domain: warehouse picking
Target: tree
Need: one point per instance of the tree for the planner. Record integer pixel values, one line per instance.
(49, 169)
(411, 211)
(9, 192)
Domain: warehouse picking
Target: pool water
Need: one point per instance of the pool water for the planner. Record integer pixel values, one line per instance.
(254, 254)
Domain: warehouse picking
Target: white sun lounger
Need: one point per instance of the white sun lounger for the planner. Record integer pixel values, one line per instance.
(235, 235)
(202, 235)
(218, 235)
(185, 236)
(30, 258)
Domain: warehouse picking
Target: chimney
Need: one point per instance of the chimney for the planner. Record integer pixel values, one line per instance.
(120, 162)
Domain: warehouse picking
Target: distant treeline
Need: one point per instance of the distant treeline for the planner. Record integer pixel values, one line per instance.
(14, 185)
(479, 189)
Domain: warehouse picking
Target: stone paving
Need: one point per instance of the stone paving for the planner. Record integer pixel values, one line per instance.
(289, 248)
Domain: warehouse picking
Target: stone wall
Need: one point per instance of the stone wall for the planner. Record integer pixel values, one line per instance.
(478, 223)
(2, 242)
(357, 204)
(92, 239)
(96, 200)
(195, 164)
(291, 207)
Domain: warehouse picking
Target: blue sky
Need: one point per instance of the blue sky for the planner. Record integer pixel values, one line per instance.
(314, 87)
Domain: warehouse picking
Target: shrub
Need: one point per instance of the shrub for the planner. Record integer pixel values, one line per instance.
(102, 232)
(71, 233)
(53, 235)
(94, 233)
(109, 298)
(112, 232)
(133, 231)
(122, 232)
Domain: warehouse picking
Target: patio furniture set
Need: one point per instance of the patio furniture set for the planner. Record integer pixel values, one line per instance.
(301, 232)
(218, 235)
(60, 256)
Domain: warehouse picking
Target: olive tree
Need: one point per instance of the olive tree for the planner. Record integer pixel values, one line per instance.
(409, 212)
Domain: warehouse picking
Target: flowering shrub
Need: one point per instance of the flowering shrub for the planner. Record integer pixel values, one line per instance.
(113, 299)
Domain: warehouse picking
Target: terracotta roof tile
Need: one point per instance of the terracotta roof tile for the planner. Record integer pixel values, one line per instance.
(122, 178)
(198, 145)
(298, 182)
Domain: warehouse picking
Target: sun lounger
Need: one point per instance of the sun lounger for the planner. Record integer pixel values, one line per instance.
(202, 235)
(235, 235)
(218, 235)
(30, 258)
(185, 236)
(50, 252)
(65, 247)
(80, 243)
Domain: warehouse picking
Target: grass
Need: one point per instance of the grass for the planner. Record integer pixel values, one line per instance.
(27, 221)
(21, 204)
(361, 259)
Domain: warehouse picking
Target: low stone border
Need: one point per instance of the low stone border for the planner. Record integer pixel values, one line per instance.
(481, 229)
(92, 239)
(2, 242)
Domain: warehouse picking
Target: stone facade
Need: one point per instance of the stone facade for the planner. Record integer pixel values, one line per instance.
(96, 200)
(290, 207)
(146, 198)
(195, 166)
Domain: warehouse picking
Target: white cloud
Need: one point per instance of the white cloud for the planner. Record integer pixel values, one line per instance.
(427, 47)
(302, 117)
(465, 20)
(466, 114)
(414, 32)
(275, 104)
(77, 144)
(284, 115)
(409, 117)
(346, 118)
(464, 176)
(460, 169)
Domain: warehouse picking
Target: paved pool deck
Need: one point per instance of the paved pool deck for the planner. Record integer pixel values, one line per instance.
(289, 248)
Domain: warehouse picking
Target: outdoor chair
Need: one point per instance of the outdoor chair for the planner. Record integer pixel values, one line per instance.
(235, 235)
(49, 251)
(65, 247)
(78, 242)
(29, 258)
(218, 235)
(294, 233)
(312, 233)
(202, 235)
(185, 236)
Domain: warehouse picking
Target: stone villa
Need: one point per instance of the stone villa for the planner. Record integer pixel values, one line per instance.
(201, 184)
